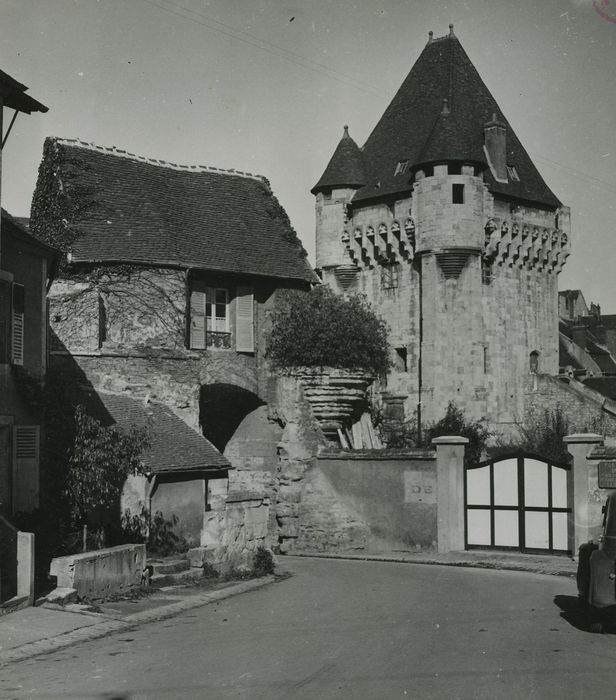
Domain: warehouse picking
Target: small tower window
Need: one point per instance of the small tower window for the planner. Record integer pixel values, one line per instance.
(534, 362)
(401, 167)
(457, 193)
(400, 360)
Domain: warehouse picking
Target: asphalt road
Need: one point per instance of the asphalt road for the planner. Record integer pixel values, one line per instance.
(348, 629)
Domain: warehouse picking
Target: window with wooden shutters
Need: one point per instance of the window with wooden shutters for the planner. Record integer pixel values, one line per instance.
(197, 320)
(17, 337)
(209, 318)
(25, 467)
(5, 321)
(244, 320)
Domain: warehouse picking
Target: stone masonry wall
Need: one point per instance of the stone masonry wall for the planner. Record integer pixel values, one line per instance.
(586, 410)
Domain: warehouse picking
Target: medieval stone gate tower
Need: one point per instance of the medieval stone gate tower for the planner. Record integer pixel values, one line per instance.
(444, 223)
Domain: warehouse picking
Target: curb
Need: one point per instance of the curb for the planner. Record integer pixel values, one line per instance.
(498, 565)
(108, 625)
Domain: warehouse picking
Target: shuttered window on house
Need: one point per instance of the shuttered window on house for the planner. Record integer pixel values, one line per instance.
(25, 467)
(244, 320)
(209, 318)
(17, 342)
(5, 321)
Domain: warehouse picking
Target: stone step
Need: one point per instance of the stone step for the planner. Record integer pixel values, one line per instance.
(169, 565)
(176, 579)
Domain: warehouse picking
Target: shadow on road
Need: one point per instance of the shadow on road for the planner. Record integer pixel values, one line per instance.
(582, 617)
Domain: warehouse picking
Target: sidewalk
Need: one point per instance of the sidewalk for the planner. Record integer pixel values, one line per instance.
(40, 630)
(34, 631)
(511, 561)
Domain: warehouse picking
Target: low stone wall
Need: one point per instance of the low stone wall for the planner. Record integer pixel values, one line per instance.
(373, 500)
(102, 573)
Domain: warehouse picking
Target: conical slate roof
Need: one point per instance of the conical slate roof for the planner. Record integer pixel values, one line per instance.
(414, 128)
(346, 167)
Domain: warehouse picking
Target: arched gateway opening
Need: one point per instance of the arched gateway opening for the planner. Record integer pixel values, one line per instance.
(222, 407)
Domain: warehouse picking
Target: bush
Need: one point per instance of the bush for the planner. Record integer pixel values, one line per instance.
(156, 532)
(321, 329)
(263, 563)
(454, 423)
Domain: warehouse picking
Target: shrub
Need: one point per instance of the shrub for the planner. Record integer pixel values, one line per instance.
(322, 329)
(263, 563)
(454, 423)
(157, 532)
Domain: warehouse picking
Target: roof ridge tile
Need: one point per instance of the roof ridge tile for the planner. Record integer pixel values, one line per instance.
(122, 153)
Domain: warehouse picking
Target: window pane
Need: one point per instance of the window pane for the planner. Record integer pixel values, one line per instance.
(478, 486)
(478, 527)
(221, 296)
(221, 310)
(506, 483)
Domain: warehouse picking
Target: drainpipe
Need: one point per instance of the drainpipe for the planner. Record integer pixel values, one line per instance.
(420, 357)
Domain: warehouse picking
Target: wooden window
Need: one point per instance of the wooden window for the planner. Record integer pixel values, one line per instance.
(244, 320)
(401, 167)
(18, 322)
(5, 321)
(25, 467)
(457, 193)
(209, 318)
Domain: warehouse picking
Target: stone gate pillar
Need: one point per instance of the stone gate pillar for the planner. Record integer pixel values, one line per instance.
(450, 492)
(585, 507)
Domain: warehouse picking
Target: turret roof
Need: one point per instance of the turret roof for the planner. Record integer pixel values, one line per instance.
(346, 167)
(413, 128)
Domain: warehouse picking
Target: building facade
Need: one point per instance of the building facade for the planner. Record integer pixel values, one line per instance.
(442, 220)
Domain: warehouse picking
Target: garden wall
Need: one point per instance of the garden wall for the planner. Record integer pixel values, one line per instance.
(373, 500)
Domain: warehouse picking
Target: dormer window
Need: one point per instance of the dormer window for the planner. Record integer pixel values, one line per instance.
(401, 167)
(513, 173)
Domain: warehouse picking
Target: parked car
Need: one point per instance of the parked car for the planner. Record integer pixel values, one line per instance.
(596, 572)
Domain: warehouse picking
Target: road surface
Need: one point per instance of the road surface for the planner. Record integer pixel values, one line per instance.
(348, 629)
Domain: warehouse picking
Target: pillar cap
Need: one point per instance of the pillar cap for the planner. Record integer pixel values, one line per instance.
(450, 440)
(578, 438)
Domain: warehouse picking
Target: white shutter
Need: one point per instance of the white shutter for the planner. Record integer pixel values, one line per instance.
(25, 468)
(197, 320)
(244, 320)
(17, 339)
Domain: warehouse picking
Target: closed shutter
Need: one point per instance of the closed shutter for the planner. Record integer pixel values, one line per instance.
(25, 467)
(197, 320)
(17, 342)
(244, 320)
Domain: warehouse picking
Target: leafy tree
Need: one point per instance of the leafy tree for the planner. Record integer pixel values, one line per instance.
(322, 329)
(100, 461)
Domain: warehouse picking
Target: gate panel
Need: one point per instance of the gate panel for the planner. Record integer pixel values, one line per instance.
(518, 502)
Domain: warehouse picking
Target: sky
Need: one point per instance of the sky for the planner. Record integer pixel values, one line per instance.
(265, 86)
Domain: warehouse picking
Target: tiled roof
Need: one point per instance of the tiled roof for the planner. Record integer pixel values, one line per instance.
(14, 225)
(174, 446)
(412, 128)
(604, 385)
(152, 212)
(346, 167)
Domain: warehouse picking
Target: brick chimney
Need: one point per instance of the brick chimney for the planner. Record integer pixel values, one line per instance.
(495, 146)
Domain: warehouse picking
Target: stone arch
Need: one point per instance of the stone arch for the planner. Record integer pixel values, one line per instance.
(222, 407)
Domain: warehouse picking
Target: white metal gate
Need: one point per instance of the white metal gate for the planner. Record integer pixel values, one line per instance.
(518, 502)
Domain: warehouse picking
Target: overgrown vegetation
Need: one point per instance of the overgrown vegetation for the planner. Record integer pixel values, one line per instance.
(155, 531)
(541, 432)
(454, 422)
(322, 329)
(100, 461)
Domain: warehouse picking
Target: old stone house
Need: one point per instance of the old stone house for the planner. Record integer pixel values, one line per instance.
(167, 279)
(444, 222)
